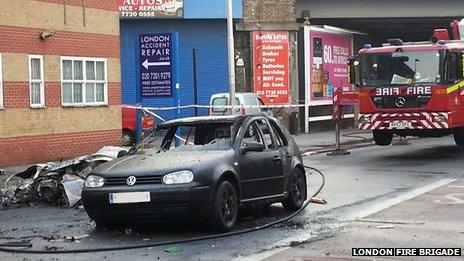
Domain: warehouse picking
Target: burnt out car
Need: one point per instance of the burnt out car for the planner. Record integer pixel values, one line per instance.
(199, 168)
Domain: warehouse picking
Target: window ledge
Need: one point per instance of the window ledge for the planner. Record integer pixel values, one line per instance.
(83, 105)
(38, 107)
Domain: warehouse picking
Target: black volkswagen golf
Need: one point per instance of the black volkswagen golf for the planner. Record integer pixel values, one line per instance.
(199, 168)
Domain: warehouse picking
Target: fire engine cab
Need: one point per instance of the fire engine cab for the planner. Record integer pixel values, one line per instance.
(412, 89)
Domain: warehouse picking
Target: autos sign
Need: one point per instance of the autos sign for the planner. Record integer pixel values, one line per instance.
(136, 9)
(326, 59)
(271, 66)
(156, 74)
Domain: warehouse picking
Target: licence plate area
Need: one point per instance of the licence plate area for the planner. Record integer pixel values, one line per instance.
(129, 197)
(400, 124)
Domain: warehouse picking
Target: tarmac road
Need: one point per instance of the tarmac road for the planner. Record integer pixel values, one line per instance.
(370, 180)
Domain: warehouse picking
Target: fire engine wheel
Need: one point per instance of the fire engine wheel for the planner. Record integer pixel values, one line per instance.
(383, 138)
(459, 136)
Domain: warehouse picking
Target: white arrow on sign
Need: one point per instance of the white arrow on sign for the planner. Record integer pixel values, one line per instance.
(147, 64)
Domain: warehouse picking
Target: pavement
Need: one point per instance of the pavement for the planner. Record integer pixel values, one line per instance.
(325, 141)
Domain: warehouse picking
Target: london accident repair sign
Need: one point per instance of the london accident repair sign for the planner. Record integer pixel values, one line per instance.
(156, 63)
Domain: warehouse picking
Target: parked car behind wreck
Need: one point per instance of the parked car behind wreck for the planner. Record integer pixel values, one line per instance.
(199, 168)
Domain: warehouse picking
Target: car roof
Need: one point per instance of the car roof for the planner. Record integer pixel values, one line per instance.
(202, 119)
(226, 94)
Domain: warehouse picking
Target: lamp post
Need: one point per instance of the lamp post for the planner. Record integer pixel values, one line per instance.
(231, 56)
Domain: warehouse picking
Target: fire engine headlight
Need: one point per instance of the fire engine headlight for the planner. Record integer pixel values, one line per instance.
(365, 120)
(439, 118)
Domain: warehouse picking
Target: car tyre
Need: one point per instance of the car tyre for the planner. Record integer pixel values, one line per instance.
(128, 138)
(296, 191)
(225, 207)
(179, 12)
(382, 138)
(459, 136)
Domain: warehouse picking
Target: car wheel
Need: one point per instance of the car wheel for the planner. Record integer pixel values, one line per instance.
(225, 208)
(382, 138)
(128, 138)
(180, 12)
(459, 136)
(296, 191)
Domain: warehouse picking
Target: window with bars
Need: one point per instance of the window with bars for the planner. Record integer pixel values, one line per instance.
(83, 81)
(36, 81)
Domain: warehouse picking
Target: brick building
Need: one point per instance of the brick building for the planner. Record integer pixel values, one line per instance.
(59, 79)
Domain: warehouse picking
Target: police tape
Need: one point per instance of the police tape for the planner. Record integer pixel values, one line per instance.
(181, 107)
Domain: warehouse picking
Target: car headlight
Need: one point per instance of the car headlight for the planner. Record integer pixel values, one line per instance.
(178, 177)
(94, 181)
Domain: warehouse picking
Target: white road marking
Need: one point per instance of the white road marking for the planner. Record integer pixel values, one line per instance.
(452, 199)
(456, 186)
(306, 235)
(397, 199)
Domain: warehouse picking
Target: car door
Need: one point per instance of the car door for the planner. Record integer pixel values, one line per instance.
(261, 172)
(283, 145)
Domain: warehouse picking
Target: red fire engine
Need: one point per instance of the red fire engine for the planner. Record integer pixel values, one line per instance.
(412, 89)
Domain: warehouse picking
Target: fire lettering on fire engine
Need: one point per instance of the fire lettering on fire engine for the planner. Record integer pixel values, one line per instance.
(419, 90)
(416, 90)
(387, 91)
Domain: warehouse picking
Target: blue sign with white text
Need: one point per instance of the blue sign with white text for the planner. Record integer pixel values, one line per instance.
(156, 75)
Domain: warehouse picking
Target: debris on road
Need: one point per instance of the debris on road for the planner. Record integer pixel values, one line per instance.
(318, 200)
(55, 182)
(386, 227)
(390, 222)
(2, 172)
(173, 250)
(78, 237)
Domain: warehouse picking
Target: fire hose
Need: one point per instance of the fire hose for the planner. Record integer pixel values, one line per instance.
(7, 246)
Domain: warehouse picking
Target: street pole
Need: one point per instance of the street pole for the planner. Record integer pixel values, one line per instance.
(231, 56)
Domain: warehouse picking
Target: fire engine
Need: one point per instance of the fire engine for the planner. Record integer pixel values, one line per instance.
(412, 89)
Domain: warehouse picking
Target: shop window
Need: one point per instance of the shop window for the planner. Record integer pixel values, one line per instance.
(83, 81)
(1, 82)
(36, 81)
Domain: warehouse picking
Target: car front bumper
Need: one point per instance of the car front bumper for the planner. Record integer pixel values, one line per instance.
(167, 203)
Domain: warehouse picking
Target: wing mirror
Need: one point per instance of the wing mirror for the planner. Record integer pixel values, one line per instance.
(255, 147)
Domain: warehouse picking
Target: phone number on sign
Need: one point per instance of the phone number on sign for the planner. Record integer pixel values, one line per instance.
(156, 76)
(272, 92)
(137, 14)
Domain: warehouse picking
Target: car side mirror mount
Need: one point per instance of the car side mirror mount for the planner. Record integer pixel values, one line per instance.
(255, 147)
(122, 153)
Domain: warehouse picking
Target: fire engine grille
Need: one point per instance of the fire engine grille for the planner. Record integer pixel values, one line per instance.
(400, 102)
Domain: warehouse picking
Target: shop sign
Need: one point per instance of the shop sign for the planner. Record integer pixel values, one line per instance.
(326, 64)
(271, 66)
(156, 75)
(143, 9)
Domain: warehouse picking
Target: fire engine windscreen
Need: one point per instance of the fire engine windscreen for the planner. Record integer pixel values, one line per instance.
(400, 68)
